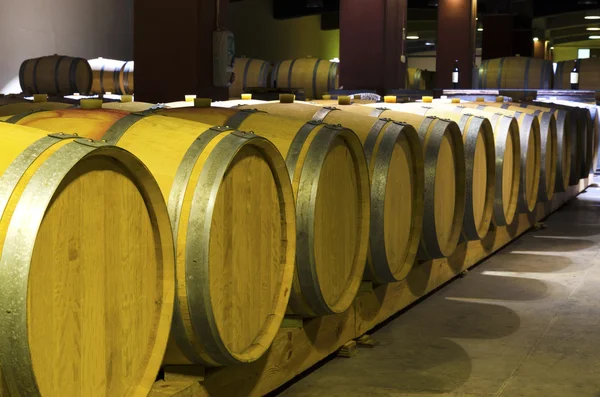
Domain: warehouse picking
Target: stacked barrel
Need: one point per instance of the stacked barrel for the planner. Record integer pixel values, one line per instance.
(201, 227)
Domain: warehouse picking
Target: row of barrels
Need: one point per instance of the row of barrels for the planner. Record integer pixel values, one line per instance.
(316, 76)
(64, 75)
(235, 224)
(533, 73)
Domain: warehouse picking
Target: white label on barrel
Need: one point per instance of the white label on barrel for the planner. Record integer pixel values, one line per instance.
(574, 78)
(455, 77)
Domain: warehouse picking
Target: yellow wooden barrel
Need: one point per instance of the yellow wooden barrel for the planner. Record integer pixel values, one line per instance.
(589, 78)
(331, 184)
(232, 212)
(480, 162)
(531, 151)
(316, 76)
(55, 75)
(87, 267)
(445, 190)
(505, 143)
(396, 171)
(563, 138)
(581, 138)
(515, 72)
(249, 73)
(111, 75)
(415, 79)
(549, 142)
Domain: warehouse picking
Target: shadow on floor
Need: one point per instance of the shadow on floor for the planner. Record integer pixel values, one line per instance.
(529, 263)
(551, 243)
(505, 288)
(454, 318)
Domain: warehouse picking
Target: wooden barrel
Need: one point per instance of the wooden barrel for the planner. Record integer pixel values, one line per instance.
(231, 207)
(249, 73)
(549, 143)
(396, 171)
(111, 75)
(581, 138)
(588, 118)
(564, 141)
(443, 151)
(415, 79)
(55, 75)
(316, 76)
(505, 144)
(87, 268)
(589, 79)
(331, 183)
(515, 72)
(529, 129)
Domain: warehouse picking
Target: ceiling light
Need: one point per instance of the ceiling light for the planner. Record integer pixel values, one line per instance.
(551, 48)
(593, 28)
(429, 43)
(594, 37)
(535, 39)
(592, 17)
(480, 29)
(412, 37)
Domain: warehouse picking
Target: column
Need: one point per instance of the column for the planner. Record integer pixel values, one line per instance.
(173, 49)
(455, 41)
(372, 45)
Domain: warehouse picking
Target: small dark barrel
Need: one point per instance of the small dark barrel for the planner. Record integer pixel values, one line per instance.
(515, 72)
(55, 75)
(589, 78)
(316, 76)
(249, 72)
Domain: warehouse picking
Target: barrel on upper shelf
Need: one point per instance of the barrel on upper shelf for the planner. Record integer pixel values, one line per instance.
(55, 75)
(87, 267)
(515, 73)
(249, 73)
(316, 76)
(111, 75)
(231, 206)
(418, 79)
(589, 77)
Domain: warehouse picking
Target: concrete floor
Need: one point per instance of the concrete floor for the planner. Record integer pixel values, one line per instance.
(526, 322)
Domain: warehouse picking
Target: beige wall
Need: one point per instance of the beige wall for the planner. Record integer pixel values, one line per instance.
(259, 35)
(564, 54)
(84, 28)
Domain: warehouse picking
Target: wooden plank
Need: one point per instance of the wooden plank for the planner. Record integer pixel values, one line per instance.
(293, 351)
(177, 389)
(184, 373)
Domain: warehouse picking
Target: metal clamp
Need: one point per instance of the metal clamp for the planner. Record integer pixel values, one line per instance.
(62, 135)
(92, 143)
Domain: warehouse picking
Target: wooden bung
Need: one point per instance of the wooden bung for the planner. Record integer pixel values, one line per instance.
(87, 267)
(231, 206)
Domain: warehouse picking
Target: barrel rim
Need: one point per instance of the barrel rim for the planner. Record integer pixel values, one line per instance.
(379, 262)
(472, 127)
(431, 247)
(197, 264)
(305, 219)
(35, 200)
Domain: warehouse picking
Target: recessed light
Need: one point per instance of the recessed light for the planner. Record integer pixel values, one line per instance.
(480, 29)
(551, 48)
(429, 43)
(535, 39)
(594, 37)
(593, 28)
(412, 37)
(592, 17)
